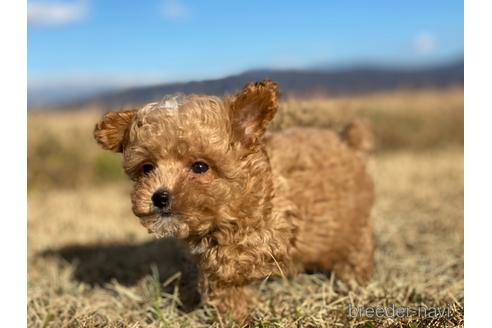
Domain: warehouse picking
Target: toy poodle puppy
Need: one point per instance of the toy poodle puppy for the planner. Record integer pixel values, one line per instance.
(250, 204)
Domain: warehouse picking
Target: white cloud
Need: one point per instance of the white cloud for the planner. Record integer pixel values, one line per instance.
(425, 43)
(55, 13)
(175, 11)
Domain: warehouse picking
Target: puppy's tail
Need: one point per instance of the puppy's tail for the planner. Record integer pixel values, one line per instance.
(358, 135)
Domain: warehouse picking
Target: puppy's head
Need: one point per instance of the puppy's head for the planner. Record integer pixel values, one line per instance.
(198, 162)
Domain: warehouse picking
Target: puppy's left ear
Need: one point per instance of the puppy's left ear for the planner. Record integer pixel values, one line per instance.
(253, 109)
(110, 132)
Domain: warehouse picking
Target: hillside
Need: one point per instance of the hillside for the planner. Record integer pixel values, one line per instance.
(351, 81)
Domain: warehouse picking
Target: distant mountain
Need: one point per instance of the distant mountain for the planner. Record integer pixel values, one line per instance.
(300, 82)
(53, 95)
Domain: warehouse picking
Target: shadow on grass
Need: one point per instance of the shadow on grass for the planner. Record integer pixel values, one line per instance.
(98, 264)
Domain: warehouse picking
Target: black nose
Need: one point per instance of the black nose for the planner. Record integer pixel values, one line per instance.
(162, 199)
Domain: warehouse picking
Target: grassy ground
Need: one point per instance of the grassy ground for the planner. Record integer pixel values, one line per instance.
(90, 264)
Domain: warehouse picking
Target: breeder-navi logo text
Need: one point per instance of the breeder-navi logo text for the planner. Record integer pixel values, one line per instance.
(394, 311)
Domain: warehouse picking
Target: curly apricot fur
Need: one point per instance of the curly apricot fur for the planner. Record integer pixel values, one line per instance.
(270, 204)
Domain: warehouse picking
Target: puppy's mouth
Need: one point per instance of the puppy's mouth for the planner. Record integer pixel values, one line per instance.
(153, 212)
(164, 213)
(157, 215)
(164, 224)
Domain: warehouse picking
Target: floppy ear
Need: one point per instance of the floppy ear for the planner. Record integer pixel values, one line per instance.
(111, 130)
(252, 110)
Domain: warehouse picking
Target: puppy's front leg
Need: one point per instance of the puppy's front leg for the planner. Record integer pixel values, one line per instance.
(232, 302)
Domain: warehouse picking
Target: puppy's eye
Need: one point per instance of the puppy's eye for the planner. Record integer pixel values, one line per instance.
(147, 168)
(199, 167)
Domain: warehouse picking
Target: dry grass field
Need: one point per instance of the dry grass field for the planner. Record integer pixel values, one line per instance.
(91, 264)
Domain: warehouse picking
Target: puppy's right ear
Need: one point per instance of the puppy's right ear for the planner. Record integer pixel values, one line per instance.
(111, 130)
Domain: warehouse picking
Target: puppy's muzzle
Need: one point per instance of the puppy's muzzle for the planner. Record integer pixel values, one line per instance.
(162, 200)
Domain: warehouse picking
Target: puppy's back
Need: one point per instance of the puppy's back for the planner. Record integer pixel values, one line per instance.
(324, 174)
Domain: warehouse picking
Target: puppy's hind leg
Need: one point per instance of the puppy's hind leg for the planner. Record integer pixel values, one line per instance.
(358, 266)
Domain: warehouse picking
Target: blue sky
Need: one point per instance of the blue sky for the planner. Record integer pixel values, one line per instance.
(143, 42)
